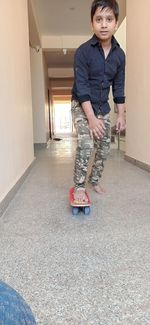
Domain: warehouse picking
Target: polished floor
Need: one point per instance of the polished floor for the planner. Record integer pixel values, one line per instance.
(84, 270)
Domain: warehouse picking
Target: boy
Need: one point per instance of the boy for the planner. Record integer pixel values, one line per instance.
(99, 63)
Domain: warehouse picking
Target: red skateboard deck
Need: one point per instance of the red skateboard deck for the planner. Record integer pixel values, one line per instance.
(78, 206)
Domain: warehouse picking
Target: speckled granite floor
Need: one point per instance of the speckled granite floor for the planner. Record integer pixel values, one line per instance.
(81, 270)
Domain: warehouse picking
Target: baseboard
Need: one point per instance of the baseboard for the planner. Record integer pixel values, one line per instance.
(137, 163)
(8, 198)
(40, 145)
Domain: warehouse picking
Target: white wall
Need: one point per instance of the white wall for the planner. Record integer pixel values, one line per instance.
(39, 81)
(46, 88)
(16, 130)
(38, 97)
(138, 81)
(120, 35)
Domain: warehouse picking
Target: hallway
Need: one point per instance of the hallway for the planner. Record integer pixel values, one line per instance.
(85, 270)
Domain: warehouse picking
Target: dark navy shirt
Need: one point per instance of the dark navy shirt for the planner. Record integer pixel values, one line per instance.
(94, 75)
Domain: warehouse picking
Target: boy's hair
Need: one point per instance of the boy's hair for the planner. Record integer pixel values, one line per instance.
(112, 4)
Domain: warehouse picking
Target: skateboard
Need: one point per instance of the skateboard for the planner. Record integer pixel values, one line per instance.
(81, 206)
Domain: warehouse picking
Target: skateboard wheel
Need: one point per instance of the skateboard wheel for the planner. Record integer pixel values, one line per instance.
(87, 211)
(75, 211)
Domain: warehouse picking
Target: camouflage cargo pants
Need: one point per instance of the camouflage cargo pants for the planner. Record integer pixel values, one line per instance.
(85, 146)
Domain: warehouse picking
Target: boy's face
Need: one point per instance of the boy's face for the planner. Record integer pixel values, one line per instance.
(104, 23)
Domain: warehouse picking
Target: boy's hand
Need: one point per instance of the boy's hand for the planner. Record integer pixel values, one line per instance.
(120, 124)
(97, 128)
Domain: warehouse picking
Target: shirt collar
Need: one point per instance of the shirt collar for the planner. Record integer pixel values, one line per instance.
(95, 41)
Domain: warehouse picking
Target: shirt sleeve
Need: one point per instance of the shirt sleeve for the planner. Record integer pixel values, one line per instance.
(119, 83)
(81, 76)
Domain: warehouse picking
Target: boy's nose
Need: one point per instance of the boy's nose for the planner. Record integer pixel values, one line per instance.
(104, 23)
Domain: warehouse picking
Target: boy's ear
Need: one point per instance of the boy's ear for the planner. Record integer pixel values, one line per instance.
(91, 26)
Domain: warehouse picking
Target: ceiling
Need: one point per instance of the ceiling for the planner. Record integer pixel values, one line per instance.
(65, 17)
(57, 59)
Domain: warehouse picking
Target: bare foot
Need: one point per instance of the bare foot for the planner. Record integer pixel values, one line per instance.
(99, 189)
(80, 196)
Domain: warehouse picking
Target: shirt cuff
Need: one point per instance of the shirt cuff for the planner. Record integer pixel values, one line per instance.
(119, 100)
(84, 98)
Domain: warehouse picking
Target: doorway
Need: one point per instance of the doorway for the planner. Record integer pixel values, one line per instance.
(62, 119)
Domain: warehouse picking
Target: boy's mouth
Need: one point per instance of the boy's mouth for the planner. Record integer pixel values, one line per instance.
(103, 32)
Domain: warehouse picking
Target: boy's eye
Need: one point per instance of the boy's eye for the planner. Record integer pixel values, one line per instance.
(109, 19)
(98, 20)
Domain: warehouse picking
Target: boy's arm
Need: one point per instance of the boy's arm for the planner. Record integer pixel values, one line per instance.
(118, 94)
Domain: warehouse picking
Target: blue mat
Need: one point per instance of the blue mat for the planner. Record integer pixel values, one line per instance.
(13, 308)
